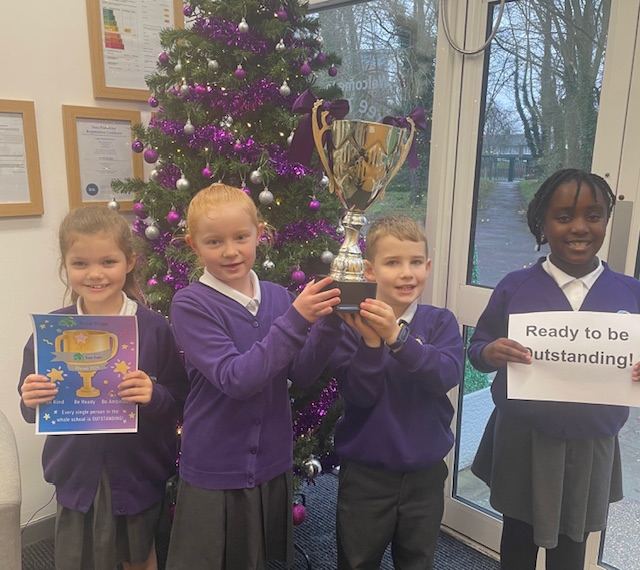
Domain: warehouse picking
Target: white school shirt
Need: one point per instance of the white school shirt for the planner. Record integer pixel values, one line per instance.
(574, 288)
(250, 303)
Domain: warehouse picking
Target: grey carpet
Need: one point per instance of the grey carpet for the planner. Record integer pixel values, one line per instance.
(315, 537)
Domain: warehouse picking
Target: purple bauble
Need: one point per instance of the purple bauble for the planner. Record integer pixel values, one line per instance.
(247, 191)
(321, 58)
(314, 206)
(333, 71)
(140, 210)
(298, 276)
(163, 58)
(187, 11)
(173, 218)
(299, 513)
(152, 282)
(201, 89)
(238, 146)
(305, 69)
(206, 172)
(239, 73)
(137, 146)
(150, 155)
(153, 102)
(282, 15)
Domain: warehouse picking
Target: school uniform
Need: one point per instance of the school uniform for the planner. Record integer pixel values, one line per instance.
(237, 444)
(392, 438)
(110, 487)
(553, 465)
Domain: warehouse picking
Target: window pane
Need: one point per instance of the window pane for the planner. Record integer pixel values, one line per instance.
(388, 64)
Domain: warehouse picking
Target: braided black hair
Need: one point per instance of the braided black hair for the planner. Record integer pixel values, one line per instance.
(540, 202)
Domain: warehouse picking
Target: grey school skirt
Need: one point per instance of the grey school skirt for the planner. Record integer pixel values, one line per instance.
(233, 529)
(559, 486)
(99, 540)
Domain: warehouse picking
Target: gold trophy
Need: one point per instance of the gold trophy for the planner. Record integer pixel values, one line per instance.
(86, 352)
(361, 159)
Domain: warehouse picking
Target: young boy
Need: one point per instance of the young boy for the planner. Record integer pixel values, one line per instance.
(396, 365)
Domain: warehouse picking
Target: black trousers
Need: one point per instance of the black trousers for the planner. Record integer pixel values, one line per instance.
(519, 552)
(377, 507)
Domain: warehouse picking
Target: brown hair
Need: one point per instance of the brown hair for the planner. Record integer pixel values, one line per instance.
(92, 220)
(214, 197)
(399, 226)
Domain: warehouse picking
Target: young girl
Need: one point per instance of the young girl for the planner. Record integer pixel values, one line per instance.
(110, 487)
(243, 340)
(553, 467)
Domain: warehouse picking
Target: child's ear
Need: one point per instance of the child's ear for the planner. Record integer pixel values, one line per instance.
(369, 273)
(190, 243)
(131, 263)
(260, 231)
(428, 264)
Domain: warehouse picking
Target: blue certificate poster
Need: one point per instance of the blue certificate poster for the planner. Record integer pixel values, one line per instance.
(87, 357)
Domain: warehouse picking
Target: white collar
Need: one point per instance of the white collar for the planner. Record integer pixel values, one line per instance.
(129, 306)
(409, 312)
(563, 279)
(251, 303)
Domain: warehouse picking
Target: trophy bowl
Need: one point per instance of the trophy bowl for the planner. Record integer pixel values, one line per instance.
(360, 159)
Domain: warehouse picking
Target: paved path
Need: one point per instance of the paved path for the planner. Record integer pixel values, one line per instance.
(503, 241)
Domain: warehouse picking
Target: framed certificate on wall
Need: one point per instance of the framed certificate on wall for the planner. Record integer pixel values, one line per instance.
(98, 150)
(20, 180)
(124, 40)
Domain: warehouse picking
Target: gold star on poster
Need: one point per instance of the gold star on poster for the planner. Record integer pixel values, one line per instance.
(132, 415)
(124, 346)
(121, 367)
(43, 326)
(47, 417)
(55, 375)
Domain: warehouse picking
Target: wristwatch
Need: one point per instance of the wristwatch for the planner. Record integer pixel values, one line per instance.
(403, 335)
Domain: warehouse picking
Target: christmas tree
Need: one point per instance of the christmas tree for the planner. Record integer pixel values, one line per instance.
(222, 97)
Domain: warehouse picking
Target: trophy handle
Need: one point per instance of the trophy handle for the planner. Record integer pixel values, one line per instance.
(320, 117)
(114, 347)
(59, 343)
(406, 147)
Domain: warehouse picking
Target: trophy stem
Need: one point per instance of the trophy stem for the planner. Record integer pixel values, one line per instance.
(87, 390)
(348, 265)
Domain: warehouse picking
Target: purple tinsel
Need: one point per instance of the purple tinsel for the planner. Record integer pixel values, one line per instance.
(303, 230)
(213, 28)
(309, 419)
(168, 176)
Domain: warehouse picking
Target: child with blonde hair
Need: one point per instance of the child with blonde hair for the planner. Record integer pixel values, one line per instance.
(244, 340)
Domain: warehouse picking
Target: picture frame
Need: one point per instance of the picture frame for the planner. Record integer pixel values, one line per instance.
(124, 44)
(98, 150)
(21, 192)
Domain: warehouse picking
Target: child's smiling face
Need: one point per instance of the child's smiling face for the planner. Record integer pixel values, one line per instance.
(575, 225)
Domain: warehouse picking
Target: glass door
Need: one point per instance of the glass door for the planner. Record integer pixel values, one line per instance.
(552, 91)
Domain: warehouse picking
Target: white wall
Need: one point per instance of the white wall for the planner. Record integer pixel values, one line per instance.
(45, 59)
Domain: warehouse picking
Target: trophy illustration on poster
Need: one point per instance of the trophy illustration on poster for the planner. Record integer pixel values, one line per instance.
(360, 159)
(86, 352)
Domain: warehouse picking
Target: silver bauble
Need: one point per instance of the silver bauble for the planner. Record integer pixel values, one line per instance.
(178, 68)
(324, 181)
(152, 232)
(320, 40)
(265, 197)
(326, 257)
(340, 230)
(188, 128)
(285, 90)
(113, 205)
(243, 27)
(280, 47)
(184, 89)
(153, 175)
(255, 177)
(182, 184)
(290, 139)
(268, 265)
(312, 467)
(213, 65)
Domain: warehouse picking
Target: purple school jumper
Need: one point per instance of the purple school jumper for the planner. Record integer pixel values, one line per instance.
(237, 431)
(534, 290)
(138, 464)
(397, 415)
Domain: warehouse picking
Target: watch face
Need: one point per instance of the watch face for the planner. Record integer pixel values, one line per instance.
(404, 334)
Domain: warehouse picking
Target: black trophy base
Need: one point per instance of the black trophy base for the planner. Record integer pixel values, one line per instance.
(352, 293)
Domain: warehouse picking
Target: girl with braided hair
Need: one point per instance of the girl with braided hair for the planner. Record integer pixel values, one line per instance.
(553, 467)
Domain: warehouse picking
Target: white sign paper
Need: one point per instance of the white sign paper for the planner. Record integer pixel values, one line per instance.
(14, 178)
(577, 356)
